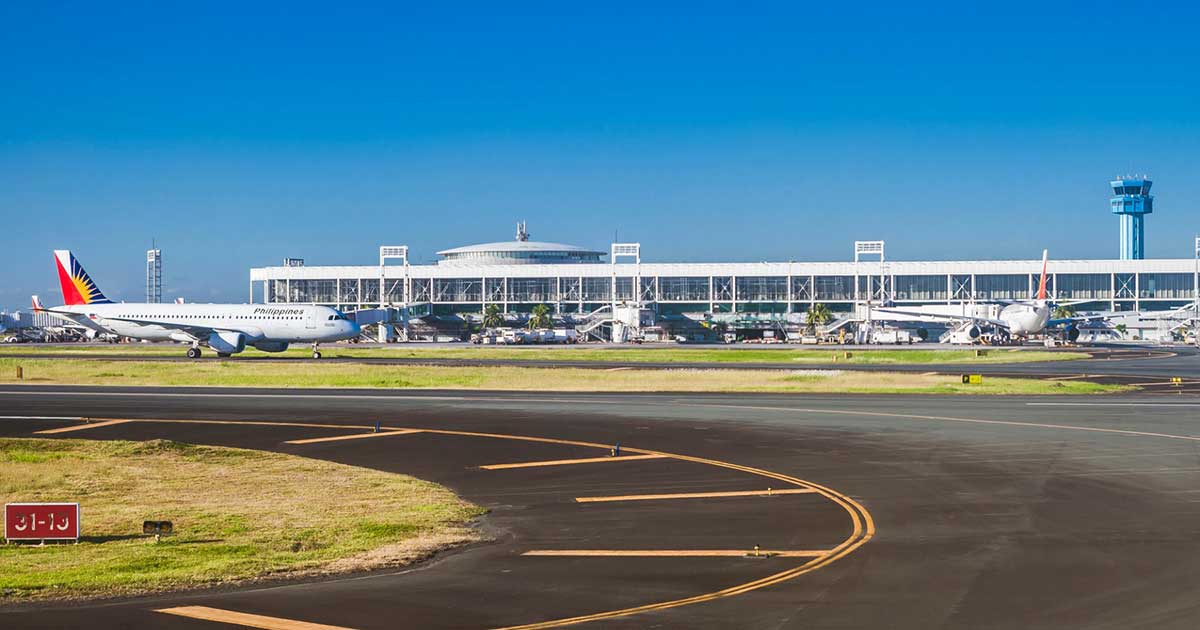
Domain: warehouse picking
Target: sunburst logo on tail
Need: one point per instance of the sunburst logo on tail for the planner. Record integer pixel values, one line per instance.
(77, 286)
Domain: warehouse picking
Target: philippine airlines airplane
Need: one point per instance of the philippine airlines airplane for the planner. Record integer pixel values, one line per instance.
(226, 328)
(1018, 319)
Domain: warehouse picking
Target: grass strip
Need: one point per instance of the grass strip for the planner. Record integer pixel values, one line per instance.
(238, 515)
(314, 374)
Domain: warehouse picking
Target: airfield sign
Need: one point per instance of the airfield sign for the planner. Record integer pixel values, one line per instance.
(41, 521)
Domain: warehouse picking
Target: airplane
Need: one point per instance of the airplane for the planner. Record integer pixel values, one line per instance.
(1017, 319)
(225, 328)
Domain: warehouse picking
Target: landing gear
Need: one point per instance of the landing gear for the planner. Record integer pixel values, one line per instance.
(193, 353)
(316, 353)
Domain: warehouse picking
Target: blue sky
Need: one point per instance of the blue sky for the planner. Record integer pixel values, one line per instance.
(706, 131)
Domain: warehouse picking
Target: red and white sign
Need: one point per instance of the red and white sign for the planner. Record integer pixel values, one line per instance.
(41, 521)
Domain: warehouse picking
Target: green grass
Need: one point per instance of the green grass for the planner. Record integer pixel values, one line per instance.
(238, 515)
(316, 374)
(670, 354)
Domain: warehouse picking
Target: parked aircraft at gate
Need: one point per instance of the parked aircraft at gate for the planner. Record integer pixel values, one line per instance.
(226, 328)
(1017, 319)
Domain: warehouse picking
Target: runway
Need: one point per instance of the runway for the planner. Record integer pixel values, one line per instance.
(986, 512)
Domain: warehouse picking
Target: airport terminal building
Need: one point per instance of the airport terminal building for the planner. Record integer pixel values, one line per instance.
(573, 281)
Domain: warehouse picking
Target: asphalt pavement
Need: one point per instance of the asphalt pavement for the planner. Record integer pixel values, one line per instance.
(903, 511)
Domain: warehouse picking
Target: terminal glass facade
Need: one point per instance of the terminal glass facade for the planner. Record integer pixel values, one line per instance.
(580, 288)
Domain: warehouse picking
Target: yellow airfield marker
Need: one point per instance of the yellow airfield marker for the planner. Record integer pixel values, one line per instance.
(672, 553)
(695, 495)
(566, 462)
(353, 436)
(246, 620)
(81, 427)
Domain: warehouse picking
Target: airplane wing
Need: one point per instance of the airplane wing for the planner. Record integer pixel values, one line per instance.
(67, 315)
(943, 317)
(196, 331)
(1086, 318)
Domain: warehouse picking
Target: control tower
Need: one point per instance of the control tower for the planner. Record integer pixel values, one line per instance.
(1132, 201)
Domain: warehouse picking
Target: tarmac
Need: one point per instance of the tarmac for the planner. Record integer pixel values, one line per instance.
(1150, 367)
(883, 511)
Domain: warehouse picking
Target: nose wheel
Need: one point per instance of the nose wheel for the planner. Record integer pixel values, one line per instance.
(316, 353)
(193, 353)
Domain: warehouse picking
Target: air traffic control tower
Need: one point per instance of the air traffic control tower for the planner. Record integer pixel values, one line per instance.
(1132, 201)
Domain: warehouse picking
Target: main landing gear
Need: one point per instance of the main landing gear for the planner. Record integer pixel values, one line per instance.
(193, 353)
(316, 353)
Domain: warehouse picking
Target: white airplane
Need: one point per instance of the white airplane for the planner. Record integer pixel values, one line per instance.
(1017, 319)
(226, 328)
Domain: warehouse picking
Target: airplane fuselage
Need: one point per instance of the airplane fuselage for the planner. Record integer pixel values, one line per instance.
(1025, 319)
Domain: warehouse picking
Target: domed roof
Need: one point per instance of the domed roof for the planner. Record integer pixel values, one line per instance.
(518, 246)
(521, 251)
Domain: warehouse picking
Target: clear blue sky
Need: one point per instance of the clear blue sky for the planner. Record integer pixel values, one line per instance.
(704, 131)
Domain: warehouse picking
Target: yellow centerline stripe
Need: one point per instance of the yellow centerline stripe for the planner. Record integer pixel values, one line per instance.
(565, 462)
(81, 427)
(864, 524)
(673, 553)
(695, 495)
(245, 619)
(864, 530)
(353, 436)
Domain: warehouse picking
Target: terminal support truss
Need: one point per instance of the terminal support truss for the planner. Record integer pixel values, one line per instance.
(634, 251)
(880, 291)
(387, 252)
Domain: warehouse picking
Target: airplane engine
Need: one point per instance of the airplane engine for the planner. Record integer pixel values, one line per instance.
(1071, 333)
(973, 332)
(271, 346)
(226, 342)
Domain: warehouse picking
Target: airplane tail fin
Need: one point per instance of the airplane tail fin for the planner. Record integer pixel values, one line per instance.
(1041, 294)
(77, 286)
(37, 305)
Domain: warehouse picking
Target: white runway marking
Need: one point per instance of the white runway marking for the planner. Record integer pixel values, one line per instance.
(75, 418)
(846, 412)
(1112, 404)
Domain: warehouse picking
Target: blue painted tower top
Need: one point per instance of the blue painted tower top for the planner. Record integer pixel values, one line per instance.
(1131, 201)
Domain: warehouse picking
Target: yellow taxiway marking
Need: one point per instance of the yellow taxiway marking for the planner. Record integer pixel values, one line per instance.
(863, 524)
(81, 427)
(352, 436)
(674, 553)
(245, 619)
(1068, 378)
(695, 495)
(564, 462)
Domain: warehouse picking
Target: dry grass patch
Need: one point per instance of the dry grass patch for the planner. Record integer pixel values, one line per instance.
(314, 374)
(238, 515)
